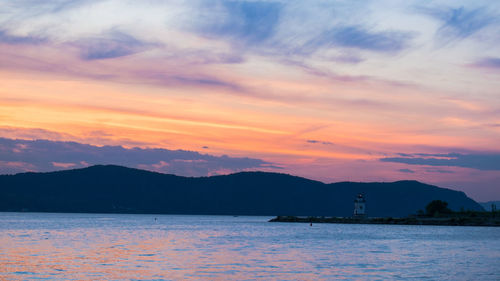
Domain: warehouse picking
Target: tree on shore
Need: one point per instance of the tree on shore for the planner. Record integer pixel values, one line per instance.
(437, 207)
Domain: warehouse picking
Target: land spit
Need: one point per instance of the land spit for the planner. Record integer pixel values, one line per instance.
(453, 221)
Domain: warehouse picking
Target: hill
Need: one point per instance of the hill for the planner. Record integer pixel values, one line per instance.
(116, 189)
(488, 205)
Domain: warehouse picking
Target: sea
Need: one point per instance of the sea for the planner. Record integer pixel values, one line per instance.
(60, 246)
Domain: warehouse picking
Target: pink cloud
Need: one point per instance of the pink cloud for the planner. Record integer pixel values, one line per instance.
(19, 148)
(12, 167)
(63, 165)
(160, 165)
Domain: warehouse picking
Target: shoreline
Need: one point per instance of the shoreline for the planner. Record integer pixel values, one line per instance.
(446, 221)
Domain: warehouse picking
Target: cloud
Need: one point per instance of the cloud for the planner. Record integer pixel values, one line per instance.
(357, 37)
(12, 167)
(7, 38)
(45, 155)
(406, 171)
(439, 171)
(490, 63)
(63, 165)
(283, 29)
(485, 162)
(169, 73)
(348, 59)
(250, 21)
(363, 39)
(320, 142)
(31, 133)
(459, 22)
(95, 136)
(35, 7)
(265, 29)
(355, 79)
(205, 82)
(204, 56)
(111, 45)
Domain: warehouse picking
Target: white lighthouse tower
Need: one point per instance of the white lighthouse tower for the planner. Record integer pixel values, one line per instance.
(359, 206)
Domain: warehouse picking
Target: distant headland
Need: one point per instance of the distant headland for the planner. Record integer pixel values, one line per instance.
(116, 189)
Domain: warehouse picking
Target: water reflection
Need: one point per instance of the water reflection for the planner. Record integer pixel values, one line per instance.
(116, 247)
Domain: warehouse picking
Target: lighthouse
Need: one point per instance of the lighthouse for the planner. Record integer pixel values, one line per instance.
(359, 206)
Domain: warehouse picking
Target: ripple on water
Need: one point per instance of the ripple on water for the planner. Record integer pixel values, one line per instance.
(117, 247)
(24, 273)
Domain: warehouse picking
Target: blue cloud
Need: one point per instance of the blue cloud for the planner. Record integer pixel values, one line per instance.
(485, 162)
(360, 38)
(205, 82)
(320, 142)
(459, 22)
(439, 171)
(406, 171)
(252, 21)
(45, 155)
(7, 38)
(111, 45)
(348, 59)
(387, 41)
(493, 63)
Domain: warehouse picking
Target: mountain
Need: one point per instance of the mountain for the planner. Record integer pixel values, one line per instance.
(488, 205)
(118, 189)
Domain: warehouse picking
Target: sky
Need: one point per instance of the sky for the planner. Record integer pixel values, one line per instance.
(328, 90)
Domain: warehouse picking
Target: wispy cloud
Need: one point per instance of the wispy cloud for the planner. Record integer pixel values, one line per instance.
(406, 171)
(204, 56)
(362, 38)
(7, 38)
(348, 59)
(206, 82)
(63, 165)
(320, 142)
(489, 63)
(249, 21)
(272, 29)
(171, 72)
(486, 162)
(440, 171)
(111, 45)
(31, 133)
(460, 22)
(33, 7)
(245, 28)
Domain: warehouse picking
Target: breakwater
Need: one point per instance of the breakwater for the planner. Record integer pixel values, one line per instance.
(458, 221)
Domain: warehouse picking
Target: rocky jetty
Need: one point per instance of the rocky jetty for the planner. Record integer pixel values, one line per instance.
(454, 221)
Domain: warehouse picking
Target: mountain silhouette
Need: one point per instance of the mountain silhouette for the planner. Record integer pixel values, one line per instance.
(116, 189)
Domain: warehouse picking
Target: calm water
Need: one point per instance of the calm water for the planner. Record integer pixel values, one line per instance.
(36, 246)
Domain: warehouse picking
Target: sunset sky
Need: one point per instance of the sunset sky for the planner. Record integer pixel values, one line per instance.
(328, 90)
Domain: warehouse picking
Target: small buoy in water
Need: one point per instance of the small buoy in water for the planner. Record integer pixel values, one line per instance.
(155, 219)
(311, 224)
